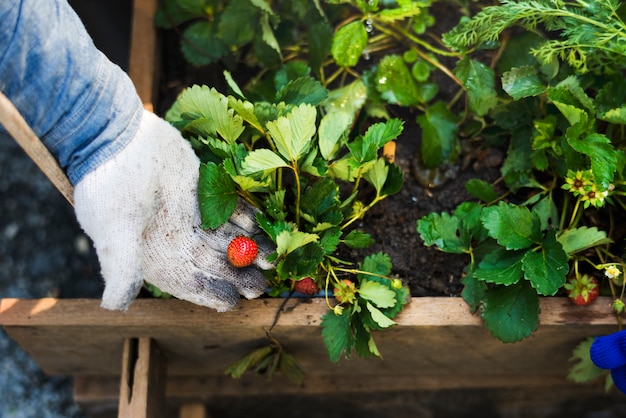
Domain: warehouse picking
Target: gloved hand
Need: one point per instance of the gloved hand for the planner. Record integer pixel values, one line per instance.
(140, 209)
(609, 352)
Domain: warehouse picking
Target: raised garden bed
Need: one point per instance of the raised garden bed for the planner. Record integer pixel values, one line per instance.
(437, 343)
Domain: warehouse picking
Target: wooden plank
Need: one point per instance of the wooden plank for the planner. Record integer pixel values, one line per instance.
(192, 410)
(437, 342)
(143, 380)
(144, 52)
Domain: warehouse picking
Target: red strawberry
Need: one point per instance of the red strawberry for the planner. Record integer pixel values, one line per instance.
(242, 251)
(582, 290)
(306, 286)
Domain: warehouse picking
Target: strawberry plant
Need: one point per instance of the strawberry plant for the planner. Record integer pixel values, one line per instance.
(385, 48)
(297, 160)
(560, 114)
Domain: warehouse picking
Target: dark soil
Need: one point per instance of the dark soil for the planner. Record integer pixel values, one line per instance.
(392, 223)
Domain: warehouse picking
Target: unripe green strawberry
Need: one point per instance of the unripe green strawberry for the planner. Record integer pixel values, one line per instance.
(242, 251)
(306, 286)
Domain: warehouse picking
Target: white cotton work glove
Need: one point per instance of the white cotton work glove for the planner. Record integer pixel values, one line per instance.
(140, 209)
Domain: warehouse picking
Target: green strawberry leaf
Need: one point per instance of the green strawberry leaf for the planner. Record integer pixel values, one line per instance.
(602, 155)
(395, 83)
(501, 267)
(522, 82)
(381, 320)
(582, 238)
(302, 261)
(288, 241)
(337, 334)
(445, 231)
(379, 294)
(511, 313)
(584, 370)
(482, 190)
(202, 45)
(348, 44)
(292, 133)
(217, 195)
(514, 227)
(302, 90)
(546, 269)
(261, 159)
(440, 142)
(358, 239)
(479, 82)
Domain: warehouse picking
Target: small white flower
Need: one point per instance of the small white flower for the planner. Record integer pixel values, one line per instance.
(612, 272)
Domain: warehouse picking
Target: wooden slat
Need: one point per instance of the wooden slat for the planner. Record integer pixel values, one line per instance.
(192, 410)
(143, 380)
(437, 342)
(144, 52)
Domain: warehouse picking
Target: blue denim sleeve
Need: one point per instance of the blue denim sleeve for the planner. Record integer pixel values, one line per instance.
(84, 108)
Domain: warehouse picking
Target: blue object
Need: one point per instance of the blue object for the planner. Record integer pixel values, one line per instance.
(82, 106)
(609, 352)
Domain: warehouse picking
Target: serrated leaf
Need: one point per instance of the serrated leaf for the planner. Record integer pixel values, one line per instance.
(348, 44)
(610, 102)
(288, 241)
(332, 130)
(501, 267)
(394, 182)
(302, 90)
(514, 227)
(444, 231)
(547, 267)
(440, 142)
(511, 313)
(260, 160)
(584, 370)
(337, 335)
(522, 82)
(172, 13)
(201, 46)
(379, 294)
(579, 239)
(349, 99)
(358, 239)
(478, 79)
(378, 263)
(238, 22)
(602, 155)
(379, 317)
(320, 40)
(330, 240)
(482, 190)
(267, 34)
(302, 261)
(292, 133)
(384, 132)
(201, 104)
(395, 83)
(547, 211)
(217, 195)
(377, 174)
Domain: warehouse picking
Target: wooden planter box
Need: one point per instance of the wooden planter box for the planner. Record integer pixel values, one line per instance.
(437, 344)
(183, 348)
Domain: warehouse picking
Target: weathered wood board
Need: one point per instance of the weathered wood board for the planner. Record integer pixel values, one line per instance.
(437, 343)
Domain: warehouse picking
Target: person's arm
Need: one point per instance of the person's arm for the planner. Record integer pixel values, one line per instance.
(135, 177)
